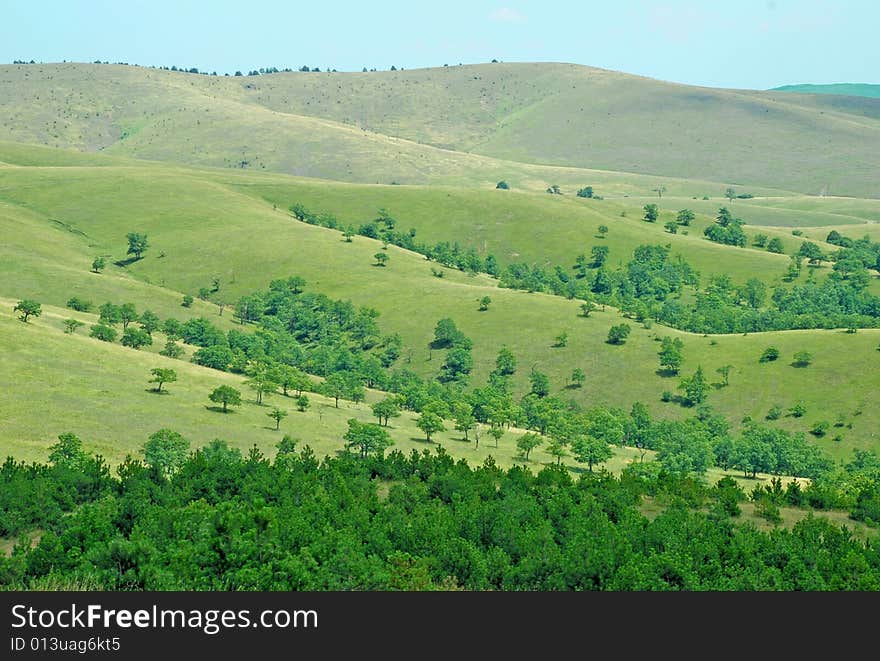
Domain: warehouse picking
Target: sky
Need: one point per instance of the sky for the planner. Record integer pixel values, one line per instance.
(753, 44)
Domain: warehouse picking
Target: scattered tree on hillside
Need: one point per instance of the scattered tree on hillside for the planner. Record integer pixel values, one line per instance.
(430, 423)
(225, 395)
(503, 185)
(71, 325)
(618, 334)
(277, 415)
(367, 438)
(302, 402)
(685, 217)
(99, 264)
(695, 388)
(381, 258)
(484, 303)
(802, 359)
(651, 213)
(162, 375)
(670, 354)
(386, 409)
(528, 442)
(724, 371)
(774, 245)
(137, 244)
(27, 308)
(603, 230)
(539, 382)
(586, 191)
(578, 377)
(172, 349)
(768, 355)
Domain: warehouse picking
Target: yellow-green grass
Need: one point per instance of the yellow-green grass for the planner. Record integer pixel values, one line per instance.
(56, 382)
(207, 229)
(788, 212)
(105, 203)
(388, 126)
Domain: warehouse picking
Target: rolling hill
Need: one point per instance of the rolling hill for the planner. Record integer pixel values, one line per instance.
(206, 223)
(466, 125)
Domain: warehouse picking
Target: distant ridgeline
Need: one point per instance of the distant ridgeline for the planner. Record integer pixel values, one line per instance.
(651, 284)
(846, 89)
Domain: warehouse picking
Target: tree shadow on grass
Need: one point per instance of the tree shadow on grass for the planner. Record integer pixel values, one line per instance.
(218, 409)
(666, 373)
(153, 391)
(127, 261)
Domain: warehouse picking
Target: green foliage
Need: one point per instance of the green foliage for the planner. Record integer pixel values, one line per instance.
(590, 451)
(302, 403)
(369, 439)
(226, 396)
(617, 334)
(137, 244)
(775, 245)
(528, 442)
(484, 303)
(162, 375)
(71, 325)
(79, 304)
(670, 354)
(136, 338)
(99, 264)
(68, 452)
(187, 301)
(165, 451)
(586, 191)
(103, 332)
(695, 388)
(502, 185)
(726, 229)
(651, 213)
(385, 409)
(769, 355)
(802, 359)
(820, 428)
(685, 217)
(27, 308)
(277, 415)
(430, 423)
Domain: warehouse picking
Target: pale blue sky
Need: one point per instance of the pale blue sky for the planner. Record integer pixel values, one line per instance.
(746, 44)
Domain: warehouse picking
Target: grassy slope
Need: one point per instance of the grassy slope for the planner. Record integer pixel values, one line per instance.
(847, 89)
(538, 113)
(207, 228)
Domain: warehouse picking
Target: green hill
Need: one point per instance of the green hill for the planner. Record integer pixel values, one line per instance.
(204, 224)
(429, 125)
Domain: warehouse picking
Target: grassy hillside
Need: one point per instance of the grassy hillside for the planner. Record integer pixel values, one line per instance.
(847, 89)
(202, 226)
(378, 126)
